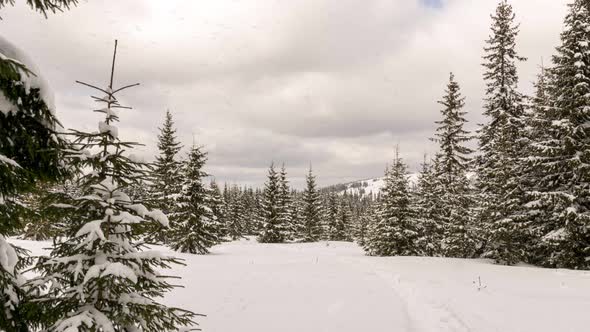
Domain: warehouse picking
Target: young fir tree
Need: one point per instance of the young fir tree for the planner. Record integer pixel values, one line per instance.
(395, 232)
(194, 227)
(273, 230)
(428, 208)
(501, 143)
(284, 205)
(311, 214)
(166, 177)
(30, 151)
(563, 155)
(452, 164)
(98, 277)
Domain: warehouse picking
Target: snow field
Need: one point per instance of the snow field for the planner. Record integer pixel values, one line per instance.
(322, 287)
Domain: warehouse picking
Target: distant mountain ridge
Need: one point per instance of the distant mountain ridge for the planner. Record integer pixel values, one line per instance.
(366, 187)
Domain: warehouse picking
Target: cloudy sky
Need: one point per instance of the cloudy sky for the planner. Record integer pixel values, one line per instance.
(335, 83)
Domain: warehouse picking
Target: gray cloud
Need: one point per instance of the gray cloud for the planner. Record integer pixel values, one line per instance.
(336, 83)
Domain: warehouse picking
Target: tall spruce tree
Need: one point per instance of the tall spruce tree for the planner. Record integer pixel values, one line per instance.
(501, 143)
(285, 205)
(452, 163)
(563, 155)
(273, 230)
(98, 277)
(395, 231)
(194, 227)
(166, 176)
(536, 218)
(311, 214)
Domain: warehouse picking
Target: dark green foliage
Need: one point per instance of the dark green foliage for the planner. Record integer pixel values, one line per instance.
(42, 220)
(30, 151)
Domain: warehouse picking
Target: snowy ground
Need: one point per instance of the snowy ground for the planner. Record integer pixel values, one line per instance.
(251, 287)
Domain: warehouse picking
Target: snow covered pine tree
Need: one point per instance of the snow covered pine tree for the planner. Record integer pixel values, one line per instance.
(428, 207)
(166, 176)
(273, 231)
(311, 228)
(394, 233)
(98, 277)
(452, 163)
(563, 155)
(194, 228)
(30, 150)
(501, 142)
(284, 210)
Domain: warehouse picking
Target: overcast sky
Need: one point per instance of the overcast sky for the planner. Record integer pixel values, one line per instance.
(335, 83)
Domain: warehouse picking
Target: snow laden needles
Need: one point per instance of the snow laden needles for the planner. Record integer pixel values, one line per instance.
(98, 277)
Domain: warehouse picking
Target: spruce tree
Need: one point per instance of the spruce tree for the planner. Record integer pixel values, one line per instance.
(501, 143)
(563, 155)
(98, 277)
(343, 230)
(452, 163)
(311, 214)
(273, 231)
(194, 227)
(236, 220)
(285, 205)
(429, 210)
(364, 225)
(218, 208)
(166, 176)
(394, 233)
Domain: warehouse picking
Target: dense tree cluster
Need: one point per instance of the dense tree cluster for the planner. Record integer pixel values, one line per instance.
(523, 196)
